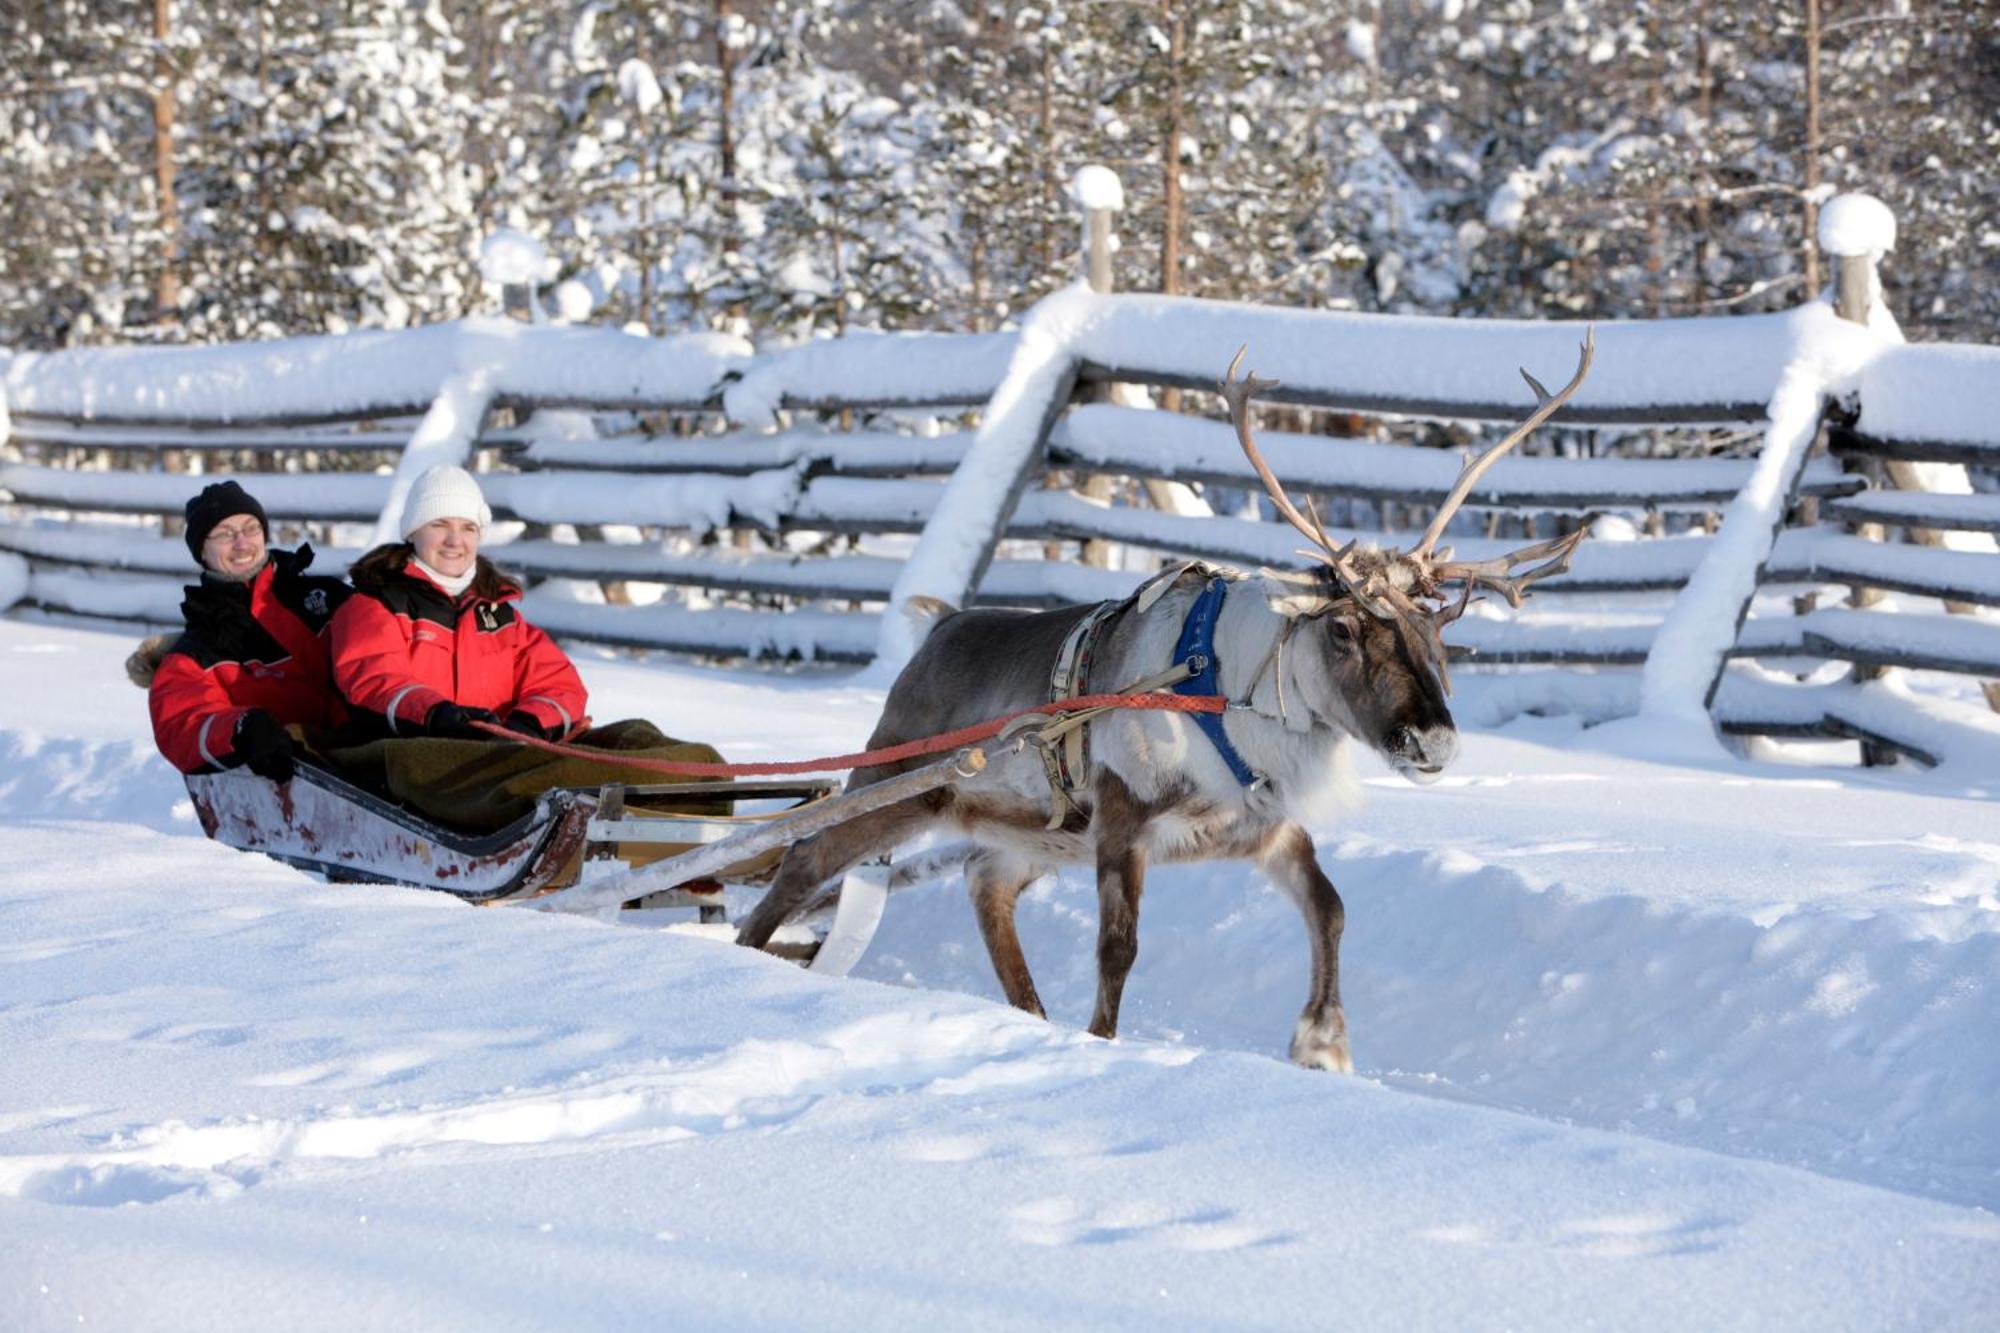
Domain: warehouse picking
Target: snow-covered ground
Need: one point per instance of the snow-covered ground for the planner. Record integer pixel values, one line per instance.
(1641, 1045)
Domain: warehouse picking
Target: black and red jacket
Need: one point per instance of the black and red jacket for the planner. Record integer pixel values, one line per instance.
(402, 645)
(258, 644)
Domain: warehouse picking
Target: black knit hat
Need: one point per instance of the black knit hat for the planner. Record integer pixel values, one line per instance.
(224, 499)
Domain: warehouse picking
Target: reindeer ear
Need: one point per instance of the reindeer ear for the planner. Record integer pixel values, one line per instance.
(1298, 605)
(1295, 594)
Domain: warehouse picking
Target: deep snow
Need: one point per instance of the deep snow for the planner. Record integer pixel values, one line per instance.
(1641, 1046)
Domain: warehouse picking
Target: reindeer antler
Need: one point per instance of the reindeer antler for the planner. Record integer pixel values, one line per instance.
(1365, 586)
(1418, 572)
(1493, 573)
(1238, 393)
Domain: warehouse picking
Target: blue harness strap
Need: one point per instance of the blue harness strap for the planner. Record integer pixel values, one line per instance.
(1197, 649)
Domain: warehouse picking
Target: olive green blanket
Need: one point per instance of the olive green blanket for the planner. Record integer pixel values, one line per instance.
(480, 786)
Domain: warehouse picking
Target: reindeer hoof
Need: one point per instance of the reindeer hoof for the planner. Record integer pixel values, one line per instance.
(1322, 1046)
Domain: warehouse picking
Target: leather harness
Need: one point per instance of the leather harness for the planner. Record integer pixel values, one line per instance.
(1197, 670)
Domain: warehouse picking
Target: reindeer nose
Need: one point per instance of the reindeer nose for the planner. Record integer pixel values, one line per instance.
(1421, 753)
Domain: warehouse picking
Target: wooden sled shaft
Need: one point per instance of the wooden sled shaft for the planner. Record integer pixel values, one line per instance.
(782, 832)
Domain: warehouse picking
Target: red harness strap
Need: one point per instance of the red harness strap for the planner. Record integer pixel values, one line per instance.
(950, 740)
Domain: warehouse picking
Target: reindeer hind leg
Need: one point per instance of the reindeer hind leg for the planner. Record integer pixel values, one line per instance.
(1118, 823)
(813, 861)
(995, 880)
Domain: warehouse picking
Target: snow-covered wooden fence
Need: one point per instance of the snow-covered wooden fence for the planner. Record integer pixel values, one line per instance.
(605, 448)
(329, 426)
(332, 459)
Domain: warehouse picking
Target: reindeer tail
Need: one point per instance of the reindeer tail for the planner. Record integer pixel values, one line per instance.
(923, 613)
(142, 665)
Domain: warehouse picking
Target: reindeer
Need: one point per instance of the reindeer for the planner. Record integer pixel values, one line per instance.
(1309, 661)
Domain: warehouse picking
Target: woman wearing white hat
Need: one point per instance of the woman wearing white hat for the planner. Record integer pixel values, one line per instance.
(433, 641)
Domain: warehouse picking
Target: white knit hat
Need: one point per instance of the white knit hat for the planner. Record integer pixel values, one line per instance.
(444, 491)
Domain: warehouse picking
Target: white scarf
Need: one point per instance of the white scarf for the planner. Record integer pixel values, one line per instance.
(454, 586)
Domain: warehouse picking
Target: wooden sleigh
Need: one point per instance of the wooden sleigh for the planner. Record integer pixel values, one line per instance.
(590, 850)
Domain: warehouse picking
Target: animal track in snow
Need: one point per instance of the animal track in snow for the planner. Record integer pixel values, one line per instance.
(195, 1034)
(363, 1071)
(1612, 1236)
(118, 1184)
(36, 951)
(45, 1118)
(1059, 1220)
(959, 1149)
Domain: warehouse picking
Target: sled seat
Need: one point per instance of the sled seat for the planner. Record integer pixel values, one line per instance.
(322, 822)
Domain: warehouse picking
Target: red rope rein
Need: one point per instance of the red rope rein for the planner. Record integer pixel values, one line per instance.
(950, 740)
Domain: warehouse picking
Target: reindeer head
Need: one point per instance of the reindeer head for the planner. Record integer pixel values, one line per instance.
(1364, 626)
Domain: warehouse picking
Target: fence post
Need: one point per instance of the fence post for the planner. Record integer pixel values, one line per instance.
(449, 431)
(1850, 228)
(1858, 229)
(1101, 194)
(447, 434)
(1009, 449)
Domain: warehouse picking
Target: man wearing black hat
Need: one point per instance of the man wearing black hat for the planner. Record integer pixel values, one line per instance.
(253, 658)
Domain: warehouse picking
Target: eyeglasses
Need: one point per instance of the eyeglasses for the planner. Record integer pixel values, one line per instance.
(230, 536)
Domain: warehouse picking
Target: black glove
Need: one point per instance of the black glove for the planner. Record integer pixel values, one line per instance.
(526, 724)
(264, 747)
(455, 720)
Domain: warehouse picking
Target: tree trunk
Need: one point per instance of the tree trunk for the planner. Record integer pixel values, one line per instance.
(743, 539)
(167, 290)
(725, 131)
(1172, 222)
(1170, 152)
(1704, 109)
(1046, 109)
(976, 271)
(839, 236)
(1811, 173)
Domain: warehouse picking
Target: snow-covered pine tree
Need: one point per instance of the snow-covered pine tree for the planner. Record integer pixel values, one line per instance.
(325, 183)
(82, 234)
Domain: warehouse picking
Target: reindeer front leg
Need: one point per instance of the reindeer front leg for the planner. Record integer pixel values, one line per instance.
(1288, 860)
(1117, 825)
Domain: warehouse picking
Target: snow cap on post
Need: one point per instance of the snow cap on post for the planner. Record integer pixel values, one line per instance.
(1857, 225)
(513, 259)
(1857, 229)
(1098, 187)
(1101, 193)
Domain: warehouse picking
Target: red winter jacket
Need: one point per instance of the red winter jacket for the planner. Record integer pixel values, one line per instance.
(260, 644)
(402, 645)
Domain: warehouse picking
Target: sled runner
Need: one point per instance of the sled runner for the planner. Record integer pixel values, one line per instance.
(581, 849)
